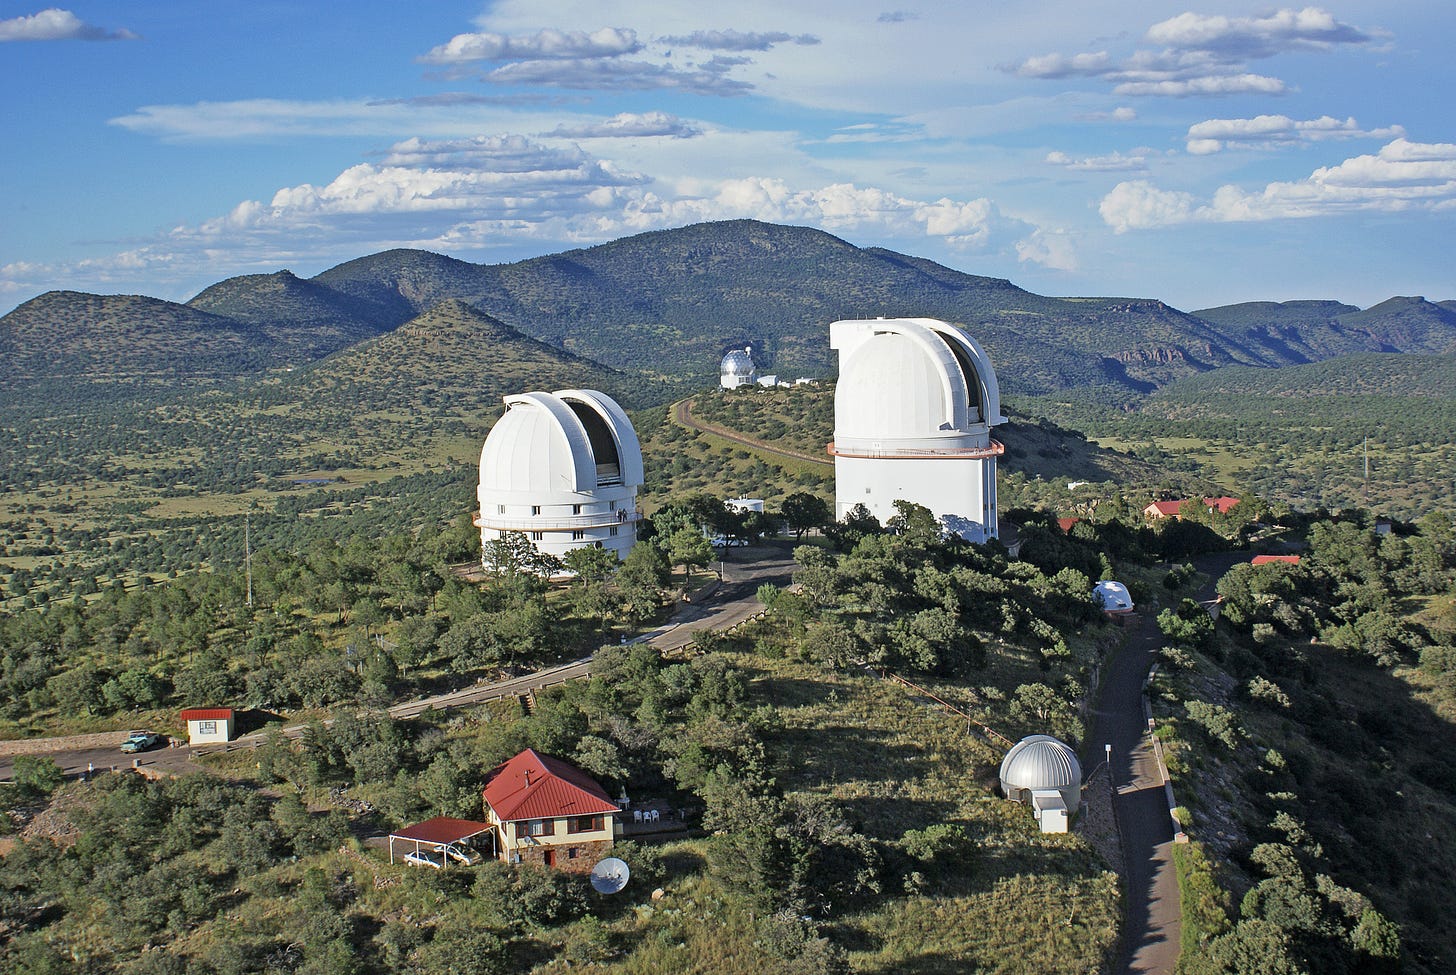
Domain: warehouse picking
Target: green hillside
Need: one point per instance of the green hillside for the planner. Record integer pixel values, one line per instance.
(1302, 434)
(70, 337)
(671, 301)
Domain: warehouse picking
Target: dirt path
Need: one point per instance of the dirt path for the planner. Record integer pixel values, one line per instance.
(683, 414)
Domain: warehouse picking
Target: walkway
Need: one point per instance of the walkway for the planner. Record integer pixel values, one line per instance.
(1154, 916)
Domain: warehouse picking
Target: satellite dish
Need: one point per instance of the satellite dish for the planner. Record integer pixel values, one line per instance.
(610, 875)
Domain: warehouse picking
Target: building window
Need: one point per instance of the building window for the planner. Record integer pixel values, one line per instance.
(538, 827)
(207, 727)
(500, 509)
(535, 509)
(572, 853)
(584, 824)
(611, 506)
(576, 509)
(535, 536)
(612, 530)
(578, 535)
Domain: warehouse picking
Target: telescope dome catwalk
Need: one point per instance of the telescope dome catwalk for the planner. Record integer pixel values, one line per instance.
(564, 469)
(913, 413)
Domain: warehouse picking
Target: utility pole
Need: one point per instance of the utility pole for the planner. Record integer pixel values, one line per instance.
(248, 553)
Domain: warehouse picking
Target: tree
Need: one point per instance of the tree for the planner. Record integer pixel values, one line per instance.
(36, 774)
(687, 547)
(802, 512)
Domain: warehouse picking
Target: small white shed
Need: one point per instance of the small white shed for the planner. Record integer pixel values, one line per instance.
(208, 726)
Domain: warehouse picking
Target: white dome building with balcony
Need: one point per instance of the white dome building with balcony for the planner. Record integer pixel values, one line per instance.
(913, 413)
(564, 469)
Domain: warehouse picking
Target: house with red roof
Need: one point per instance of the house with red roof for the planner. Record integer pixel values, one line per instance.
(548, 811)
(1221, 505)
(1065, 524)
(1171, 509)
(1162, 509)
(1266, 559)
(208, 726)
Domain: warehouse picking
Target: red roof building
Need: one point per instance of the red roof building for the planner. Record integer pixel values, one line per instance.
(208, 726)
(1221, 505)
(548, 811)
(1266, 559)
(1065, 524)
(1163, 509)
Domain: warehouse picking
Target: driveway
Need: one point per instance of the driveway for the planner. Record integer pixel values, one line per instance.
(1153, 923)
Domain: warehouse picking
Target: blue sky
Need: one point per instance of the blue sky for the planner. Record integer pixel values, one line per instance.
(1203, 154)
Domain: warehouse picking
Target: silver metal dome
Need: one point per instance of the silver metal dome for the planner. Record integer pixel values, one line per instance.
(1038, 763)
(738, 363)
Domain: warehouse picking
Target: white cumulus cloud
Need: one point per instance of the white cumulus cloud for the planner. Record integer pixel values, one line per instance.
(607, 42)
(1268, 131)
(1402, 176)
(55, 24)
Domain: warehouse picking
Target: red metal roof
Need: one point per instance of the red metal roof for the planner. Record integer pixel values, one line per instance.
(536, 786)
(442, 830)
(1065, 524)
(207, 714)
(1265, 559)
(1168, 509)
(1221, 505)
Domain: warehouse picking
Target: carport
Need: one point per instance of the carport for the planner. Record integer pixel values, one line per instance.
(433, 835)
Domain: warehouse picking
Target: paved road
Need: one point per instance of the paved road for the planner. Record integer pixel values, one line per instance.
(1154, 915)
(733, 601)
(683, 413)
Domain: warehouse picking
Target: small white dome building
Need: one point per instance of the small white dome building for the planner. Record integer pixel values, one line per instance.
(737, 369)
(564, 469)
(1113, 597)
(1043, 772)
(913, 413)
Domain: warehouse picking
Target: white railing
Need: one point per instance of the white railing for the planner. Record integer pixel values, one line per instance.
(536, 523)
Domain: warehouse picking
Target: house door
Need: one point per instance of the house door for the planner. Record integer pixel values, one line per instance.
(550, 857)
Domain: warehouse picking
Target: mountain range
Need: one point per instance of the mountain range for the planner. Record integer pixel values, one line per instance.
(667, 304)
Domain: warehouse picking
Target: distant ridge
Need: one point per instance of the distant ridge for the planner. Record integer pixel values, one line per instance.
(666, 304)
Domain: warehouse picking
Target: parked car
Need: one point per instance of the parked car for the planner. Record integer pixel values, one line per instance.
(423, 859)
(723, 541)
(462, 854)
(140, 741)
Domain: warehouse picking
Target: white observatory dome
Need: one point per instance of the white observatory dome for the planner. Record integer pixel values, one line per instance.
(564, 469)
(1042, 763)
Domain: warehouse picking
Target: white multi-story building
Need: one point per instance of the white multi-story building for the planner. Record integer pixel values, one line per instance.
(913, 413)
(564, 469)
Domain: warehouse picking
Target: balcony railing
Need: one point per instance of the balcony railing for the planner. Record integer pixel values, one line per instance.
(539, 523)
(994, 449)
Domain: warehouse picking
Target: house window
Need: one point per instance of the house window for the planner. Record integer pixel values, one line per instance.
(612, 530)
(538, 827)
(535, 509)
(584, 824)
(500, 509)
(576, 509)
(207, 727)
(535, 536)
(578, 535)
(611, 506)
(572, 853)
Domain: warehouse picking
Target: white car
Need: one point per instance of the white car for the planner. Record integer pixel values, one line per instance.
(422, 859)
